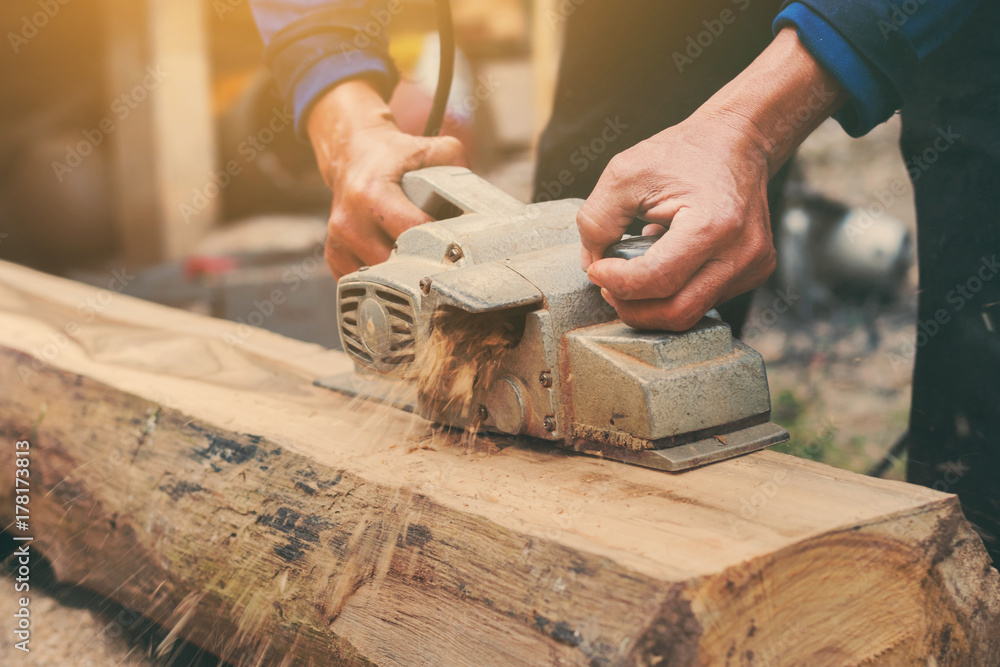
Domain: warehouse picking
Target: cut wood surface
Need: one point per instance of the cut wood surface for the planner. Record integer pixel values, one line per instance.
(187, 468)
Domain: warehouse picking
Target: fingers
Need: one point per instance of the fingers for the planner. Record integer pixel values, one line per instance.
(668, 264)
(442, 152)
(620, 195)
(371, 211)
(394, 212)
(339, 259)
(350, 246)
(716, 282)
(711, 285)
(602, 220)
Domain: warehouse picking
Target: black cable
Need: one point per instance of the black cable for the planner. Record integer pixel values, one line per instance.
(446, 30)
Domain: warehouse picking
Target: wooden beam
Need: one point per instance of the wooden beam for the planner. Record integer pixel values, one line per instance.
(187, 468)
(163, 136)
(547, 27)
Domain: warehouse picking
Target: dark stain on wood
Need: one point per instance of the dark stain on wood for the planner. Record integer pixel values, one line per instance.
(674, 635)
(562, 632)
(228, 450)
(180, 489)
(305, 488)
(417, 535)
(301, 530)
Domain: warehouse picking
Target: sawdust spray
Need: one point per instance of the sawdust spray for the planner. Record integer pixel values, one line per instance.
(462, 356)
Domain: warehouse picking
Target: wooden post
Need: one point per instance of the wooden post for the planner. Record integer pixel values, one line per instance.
(546, 38)
(187, 468)
(164, 143)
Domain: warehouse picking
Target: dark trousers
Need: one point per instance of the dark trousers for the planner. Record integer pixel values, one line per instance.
(620, 83)
(951, 144)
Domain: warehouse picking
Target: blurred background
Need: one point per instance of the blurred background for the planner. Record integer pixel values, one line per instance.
(144, 137)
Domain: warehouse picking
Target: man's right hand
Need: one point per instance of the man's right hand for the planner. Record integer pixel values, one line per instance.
(363, 155)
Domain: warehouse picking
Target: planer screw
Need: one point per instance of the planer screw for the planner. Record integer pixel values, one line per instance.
(454, 253)
(549, 423)
(425, 285)
(545, 379)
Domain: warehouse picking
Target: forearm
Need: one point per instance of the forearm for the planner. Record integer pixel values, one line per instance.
(777, 101)
(349, 108)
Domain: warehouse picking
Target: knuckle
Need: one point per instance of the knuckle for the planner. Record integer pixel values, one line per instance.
(618, 167)
(336, 227)
(451, 145)
(769, 262)
(354, 191)
(724, 224)
(666, 282)
(685, 312)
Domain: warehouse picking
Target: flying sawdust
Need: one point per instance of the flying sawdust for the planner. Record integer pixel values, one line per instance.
(462, 357)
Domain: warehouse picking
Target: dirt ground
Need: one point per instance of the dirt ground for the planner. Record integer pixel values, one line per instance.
(844, 401)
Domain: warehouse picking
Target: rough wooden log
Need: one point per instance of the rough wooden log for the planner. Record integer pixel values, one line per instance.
(187, 468)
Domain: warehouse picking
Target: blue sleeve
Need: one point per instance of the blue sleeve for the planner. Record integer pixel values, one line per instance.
(873, 47)
(312, 45)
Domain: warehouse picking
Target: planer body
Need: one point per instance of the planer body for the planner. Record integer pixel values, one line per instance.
(575, 375)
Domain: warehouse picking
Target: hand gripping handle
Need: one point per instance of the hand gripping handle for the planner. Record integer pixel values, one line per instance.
(438, 191)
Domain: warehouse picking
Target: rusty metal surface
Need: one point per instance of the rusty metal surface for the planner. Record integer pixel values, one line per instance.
(577, 376)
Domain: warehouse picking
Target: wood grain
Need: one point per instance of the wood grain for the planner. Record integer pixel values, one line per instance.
(187, 468)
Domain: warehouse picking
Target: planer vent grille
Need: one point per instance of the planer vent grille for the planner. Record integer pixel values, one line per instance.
(399, 325)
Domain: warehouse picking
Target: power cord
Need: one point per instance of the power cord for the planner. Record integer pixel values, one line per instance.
(446, 30)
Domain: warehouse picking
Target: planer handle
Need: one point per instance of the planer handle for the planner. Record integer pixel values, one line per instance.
(448, 192)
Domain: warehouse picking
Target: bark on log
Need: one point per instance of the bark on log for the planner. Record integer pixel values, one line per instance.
(187, 468)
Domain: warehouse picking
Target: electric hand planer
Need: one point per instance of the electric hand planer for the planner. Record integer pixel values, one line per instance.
(574, 374)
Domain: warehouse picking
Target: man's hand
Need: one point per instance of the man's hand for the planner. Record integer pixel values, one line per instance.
(704, 181)
(710, 189)
(363, 156)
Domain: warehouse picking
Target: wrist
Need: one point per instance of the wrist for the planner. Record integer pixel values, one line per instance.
(341, 113)
(777, 101)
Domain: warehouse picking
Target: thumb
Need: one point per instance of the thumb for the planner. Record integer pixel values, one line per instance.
(441, 152)
(603, 218)
(398, 213)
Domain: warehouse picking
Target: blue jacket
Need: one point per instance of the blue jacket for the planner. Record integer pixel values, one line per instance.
(872, 47)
